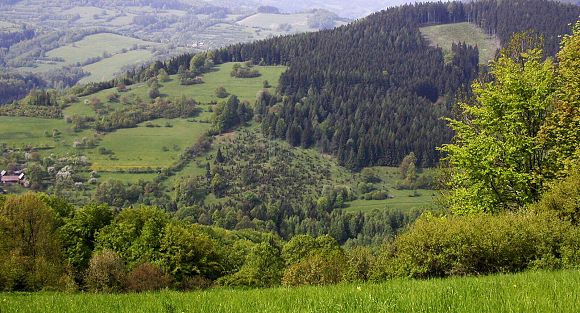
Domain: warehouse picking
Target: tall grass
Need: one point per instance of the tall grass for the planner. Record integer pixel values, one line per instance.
(525, 292)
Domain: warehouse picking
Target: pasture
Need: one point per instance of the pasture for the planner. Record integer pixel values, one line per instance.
(299, 22)
(523, 292)
(94, 46)
(445, 35)
(115, 51)
(51, 135)
(243, 88)
(107, 68)
(401, 199)
(156, 146)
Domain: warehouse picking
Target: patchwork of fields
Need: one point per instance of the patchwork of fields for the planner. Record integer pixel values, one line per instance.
(140, 153)
(152, 145)
(113, 52)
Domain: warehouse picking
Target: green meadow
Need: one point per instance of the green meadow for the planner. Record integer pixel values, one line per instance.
(524, 292)
(152, 145)
(21, 132)
(143, 147)
(107, 68)
(401, 199)
(243, 88)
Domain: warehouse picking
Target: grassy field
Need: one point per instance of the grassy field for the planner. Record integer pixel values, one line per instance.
(525, 292)
(298, 21)
(141, 147)
(19, 132)
(144, 147)
(445, 35)
(402, 199)
(95, 46)
(243, 88)
(107, 68)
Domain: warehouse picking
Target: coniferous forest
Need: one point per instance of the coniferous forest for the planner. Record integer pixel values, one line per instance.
(374, 91)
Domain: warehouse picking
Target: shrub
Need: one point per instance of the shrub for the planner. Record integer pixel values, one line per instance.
(480, 244)
(563, 198)
(319, 268)
(221, 92)
(359, 264)
(147, 277)
(106, 272)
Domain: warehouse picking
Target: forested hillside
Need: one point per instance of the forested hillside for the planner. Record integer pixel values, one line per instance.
(372, 106)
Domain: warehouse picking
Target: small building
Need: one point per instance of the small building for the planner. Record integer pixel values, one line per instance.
(14, 178)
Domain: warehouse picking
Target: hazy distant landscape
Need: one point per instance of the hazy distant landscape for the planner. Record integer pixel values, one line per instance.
(63, 42)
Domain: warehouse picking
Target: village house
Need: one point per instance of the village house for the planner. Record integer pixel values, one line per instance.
(16, 177)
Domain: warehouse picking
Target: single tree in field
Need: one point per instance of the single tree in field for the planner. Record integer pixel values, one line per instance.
(163, 76)
(497, 159)
(221, 92)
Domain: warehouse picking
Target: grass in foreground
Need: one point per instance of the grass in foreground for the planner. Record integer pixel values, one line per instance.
(525, 292)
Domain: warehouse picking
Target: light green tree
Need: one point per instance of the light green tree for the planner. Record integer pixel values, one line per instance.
(497, 158)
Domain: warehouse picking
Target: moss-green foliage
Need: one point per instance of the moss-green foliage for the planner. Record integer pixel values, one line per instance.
(30, 255)
(480, 244)
(562, 129)
(525, 292)
(313, 261)
(563, 198)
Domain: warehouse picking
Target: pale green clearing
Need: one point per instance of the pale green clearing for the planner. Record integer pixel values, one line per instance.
(445, 35)
(299, 22)
(97, 45)
(87, 13)
(147, 147)
(122, 20)
(524, 292)
(126, 177)
(402, 199)
(7, 26)
(94, 46)
(79, 108)
(22, 132)
(243, 88)
(106, 69)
